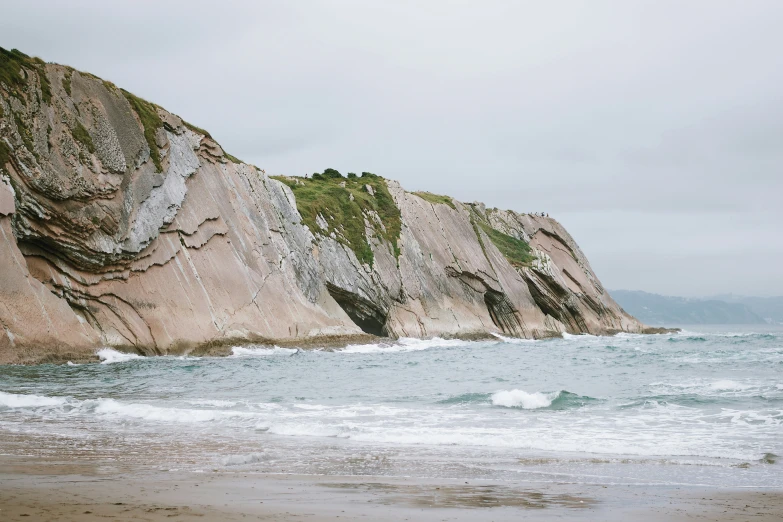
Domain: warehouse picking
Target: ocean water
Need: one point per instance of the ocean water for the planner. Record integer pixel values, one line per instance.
(702, 407)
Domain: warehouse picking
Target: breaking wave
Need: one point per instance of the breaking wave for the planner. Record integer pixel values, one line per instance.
(110, 356)
(532, 401)
(16, 400)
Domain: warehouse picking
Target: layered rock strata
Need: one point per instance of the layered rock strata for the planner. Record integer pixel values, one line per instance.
(121, 225)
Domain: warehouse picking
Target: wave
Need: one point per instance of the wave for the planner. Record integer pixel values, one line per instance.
(110, 356)
(213, 402)
(729, 385)
(720, 385)
(240, 460)
(467, 398)
(719, 390)
(522, 399)
(689, 339)
(569, 336)
(16, 400)
(404, 344)
(748, 335)
(513, 340)
(628, 335)
(619, 435)
(148, 412)
(558, 400)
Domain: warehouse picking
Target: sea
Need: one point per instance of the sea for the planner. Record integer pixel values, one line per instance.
(701, 407)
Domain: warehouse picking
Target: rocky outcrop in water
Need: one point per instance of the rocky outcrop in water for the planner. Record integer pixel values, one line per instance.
(122, 225)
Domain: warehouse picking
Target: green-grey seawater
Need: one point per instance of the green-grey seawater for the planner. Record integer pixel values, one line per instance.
(697, 408)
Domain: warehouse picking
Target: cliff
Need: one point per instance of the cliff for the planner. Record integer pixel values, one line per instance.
(122, 225)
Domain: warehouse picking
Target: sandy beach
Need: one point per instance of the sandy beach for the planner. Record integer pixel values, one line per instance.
(47, 490)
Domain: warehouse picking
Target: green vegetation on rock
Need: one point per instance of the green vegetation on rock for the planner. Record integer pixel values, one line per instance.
(81, 135)
(516, 251)
(231, 158)
(11, 63)
(344, 209)
(5, 153)
(150, 120)
(197, 130)
(11, 68)
(436, 199)
(26, 133)
(67, 82)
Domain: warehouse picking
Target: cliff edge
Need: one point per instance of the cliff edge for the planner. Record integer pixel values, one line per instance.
(122, 225)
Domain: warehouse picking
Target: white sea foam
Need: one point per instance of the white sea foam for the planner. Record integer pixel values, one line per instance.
(148, 412)
(627, 335)
(239, 460)
(307, 429)
(729, 386)
(661, 429)
(713, 388)
(522, 399)
(213, 402)
(69, 363)
(16, 400)
(512, 340)
(404, 344)
(577, 337)
(261, 351)
(109, 356)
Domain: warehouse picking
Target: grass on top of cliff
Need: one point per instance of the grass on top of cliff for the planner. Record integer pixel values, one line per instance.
(11, 64)
(516, 251)
(344, 203)
(150, 120)
(436, 199)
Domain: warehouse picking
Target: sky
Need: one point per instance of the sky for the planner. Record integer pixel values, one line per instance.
(652, 130)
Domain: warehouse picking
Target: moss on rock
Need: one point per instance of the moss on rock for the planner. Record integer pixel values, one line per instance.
(11, 64)
(5, 153)
(150, 120)
(436, 199)
(516, 251)
(81, 135)
(344, 203)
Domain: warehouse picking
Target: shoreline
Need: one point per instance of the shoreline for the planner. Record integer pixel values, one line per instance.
(222, 348)
(36, 489)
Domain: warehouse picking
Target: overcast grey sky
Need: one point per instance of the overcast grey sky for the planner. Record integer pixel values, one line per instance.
(652, 130)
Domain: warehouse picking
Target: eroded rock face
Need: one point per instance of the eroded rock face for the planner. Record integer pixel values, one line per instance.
(99, 246)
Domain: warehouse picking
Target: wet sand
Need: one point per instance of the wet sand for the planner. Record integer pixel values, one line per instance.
(42, 490)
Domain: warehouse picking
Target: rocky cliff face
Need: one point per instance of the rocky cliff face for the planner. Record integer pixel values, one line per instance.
(122, 225)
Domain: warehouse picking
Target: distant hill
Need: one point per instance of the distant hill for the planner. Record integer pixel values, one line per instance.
(655, 309)
(769, 308)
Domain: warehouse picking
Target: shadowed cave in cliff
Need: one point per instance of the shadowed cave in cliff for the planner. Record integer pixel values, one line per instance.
(362, 312)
